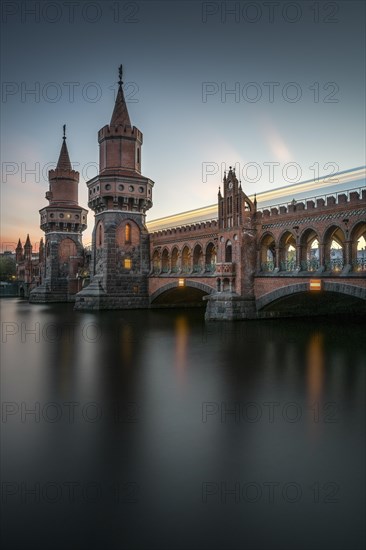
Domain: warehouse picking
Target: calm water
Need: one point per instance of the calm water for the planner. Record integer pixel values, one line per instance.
(154, 430)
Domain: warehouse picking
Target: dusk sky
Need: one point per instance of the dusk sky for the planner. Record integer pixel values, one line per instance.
(303, 61)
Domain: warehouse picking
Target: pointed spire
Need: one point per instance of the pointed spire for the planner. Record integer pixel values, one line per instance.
(27, 242)
(64, 159)
(19, 245)
(120, 114)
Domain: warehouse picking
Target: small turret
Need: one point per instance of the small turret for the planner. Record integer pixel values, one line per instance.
(19, 252)
(27, 249)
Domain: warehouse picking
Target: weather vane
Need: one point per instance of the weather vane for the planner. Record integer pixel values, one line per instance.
(64, 128)
(120, 75)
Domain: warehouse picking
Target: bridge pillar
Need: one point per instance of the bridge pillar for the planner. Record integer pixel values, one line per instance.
(322, 256)
(277, 259)
(298, 256)
(347, 252)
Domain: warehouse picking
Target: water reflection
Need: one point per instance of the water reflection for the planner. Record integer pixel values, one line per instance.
(151, 373)
(181, 345)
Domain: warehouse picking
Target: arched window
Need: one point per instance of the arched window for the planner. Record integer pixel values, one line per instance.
(138, 155)
(127, 233)
(228, 252)
(99, 235)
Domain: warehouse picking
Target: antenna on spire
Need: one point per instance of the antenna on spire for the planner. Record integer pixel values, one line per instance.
(64, 129)
(120, 75)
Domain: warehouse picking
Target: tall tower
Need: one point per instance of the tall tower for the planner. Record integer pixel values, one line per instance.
(120, 196)
(63, 222)
(236, 254)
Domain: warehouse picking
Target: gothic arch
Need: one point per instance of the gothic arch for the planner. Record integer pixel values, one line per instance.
(186, 258)
(174, 259)
(165, 260)
(121, 233)
(334, 247)
(156, 261)
(99, 234)
(309, 255)
(210, 256)
(228, 251)
(287, 251)
(267, 252)
(358, 249)
(197, 257)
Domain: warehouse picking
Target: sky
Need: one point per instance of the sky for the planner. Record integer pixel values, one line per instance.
(275, 88)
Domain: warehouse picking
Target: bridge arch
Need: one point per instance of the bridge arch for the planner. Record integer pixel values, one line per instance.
(202, 287)
(298, 288)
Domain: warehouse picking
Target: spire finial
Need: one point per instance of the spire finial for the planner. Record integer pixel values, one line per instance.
(64, 129)
(120, 76)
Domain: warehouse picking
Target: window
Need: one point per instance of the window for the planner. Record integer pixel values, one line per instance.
(127, 263)
(127, 233)
(138, 155)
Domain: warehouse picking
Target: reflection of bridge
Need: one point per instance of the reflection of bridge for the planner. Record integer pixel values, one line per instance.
(298, 247)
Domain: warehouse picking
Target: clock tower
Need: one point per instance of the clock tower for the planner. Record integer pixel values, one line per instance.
(120, 196)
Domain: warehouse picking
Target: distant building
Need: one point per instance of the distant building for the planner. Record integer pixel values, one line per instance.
(29, 267)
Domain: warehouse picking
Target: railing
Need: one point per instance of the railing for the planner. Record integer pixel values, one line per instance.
(210, 268)
(197, 268)
(335, 265)
(359, 264)
(310, 265)
(225, 269)
(267, 266)
(186, 268)
(174, 269)
(165, 269)
(288, 265)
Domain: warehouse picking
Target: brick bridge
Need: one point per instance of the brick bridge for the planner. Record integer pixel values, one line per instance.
(299, 248)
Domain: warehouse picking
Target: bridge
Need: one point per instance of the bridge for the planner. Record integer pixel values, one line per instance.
(306, 255)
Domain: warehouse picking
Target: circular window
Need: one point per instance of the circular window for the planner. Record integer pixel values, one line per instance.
(51, 215)
(120, 187)
(235, 237)
(222, 239)
(107, 187)
(77, 216)
(131, 188)
(149, 191)
(141, 189)
(83, 217)
(61, 215)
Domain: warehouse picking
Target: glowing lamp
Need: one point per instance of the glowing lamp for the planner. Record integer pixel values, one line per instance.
(315, 284)
(181, 282)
